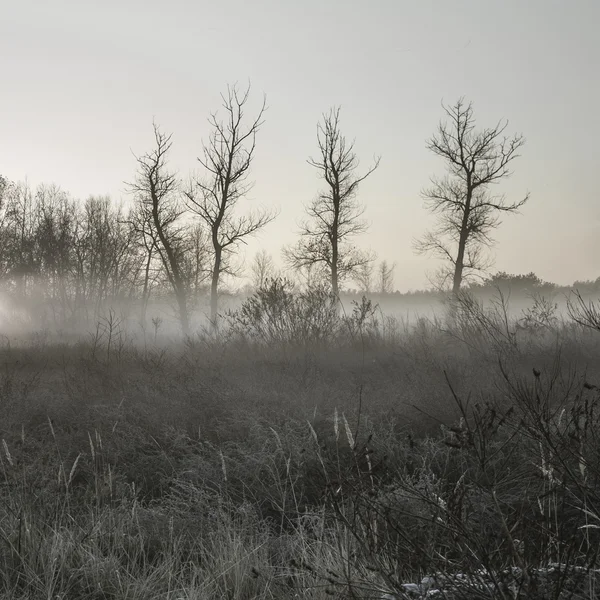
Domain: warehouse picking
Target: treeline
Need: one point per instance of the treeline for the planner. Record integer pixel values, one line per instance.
(63, 261)
(179, 238)
(501, 281)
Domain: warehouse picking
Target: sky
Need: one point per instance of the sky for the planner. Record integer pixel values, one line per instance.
(81, 83)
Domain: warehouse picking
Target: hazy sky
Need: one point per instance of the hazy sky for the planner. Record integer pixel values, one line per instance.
(81, 81)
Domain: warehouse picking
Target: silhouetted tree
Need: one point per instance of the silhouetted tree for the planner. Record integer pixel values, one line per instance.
(19, 225)
(156, 188)
(363, 276)
(105, 242)
(466, 207)
(385, 277)
(4, 238)
(586, 287)
(308, 277)
(335, 215)
(190, 248)
(146, 239)
(197, 258)
(261, 269)
(507, 281)
(70, 256)
(56, 236)
(226, 162)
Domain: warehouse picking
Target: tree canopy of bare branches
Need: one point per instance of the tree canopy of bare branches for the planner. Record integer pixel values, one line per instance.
(214, 196)
(156, 191)
(62, 259)
(335, 216)
(467, 209)
(385, 277)
(363, 277)
(262, 269)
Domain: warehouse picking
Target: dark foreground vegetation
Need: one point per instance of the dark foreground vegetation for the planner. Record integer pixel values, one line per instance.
(304, 454)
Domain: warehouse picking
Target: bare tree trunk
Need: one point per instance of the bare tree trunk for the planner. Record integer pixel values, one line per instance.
(227, 158)
(462, 243)
(214, 289)
(146, 290)
(459, 266)
(335, 286)
(335, 233)
(335, 216)
(184, 316)
(157, 188)
(173, 266)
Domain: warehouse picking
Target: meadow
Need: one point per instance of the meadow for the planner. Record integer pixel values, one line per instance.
(305, 453)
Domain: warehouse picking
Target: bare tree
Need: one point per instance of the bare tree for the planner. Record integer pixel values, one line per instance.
(364, 277)
(141, 221)
(261, 269)
(56, 234)
(385, 277)
(156, 189)
(198, 258)
(64, 253)
(19, 220)
(467, 209)
(335, 215)
(306, 277)
(104, 244)
(226, 161)
(5, 238)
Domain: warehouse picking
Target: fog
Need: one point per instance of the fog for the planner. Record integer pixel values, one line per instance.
(157, 322)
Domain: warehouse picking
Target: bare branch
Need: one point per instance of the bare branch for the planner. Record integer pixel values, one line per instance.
(466, 209)
(334, 216)
(155, 189)
(226, 160)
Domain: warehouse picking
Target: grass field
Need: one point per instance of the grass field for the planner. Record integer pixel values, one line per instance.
(346, 460)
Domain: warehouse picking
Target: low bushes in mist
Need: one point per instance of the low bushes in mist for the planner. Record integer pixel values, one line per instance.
(278, 315)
